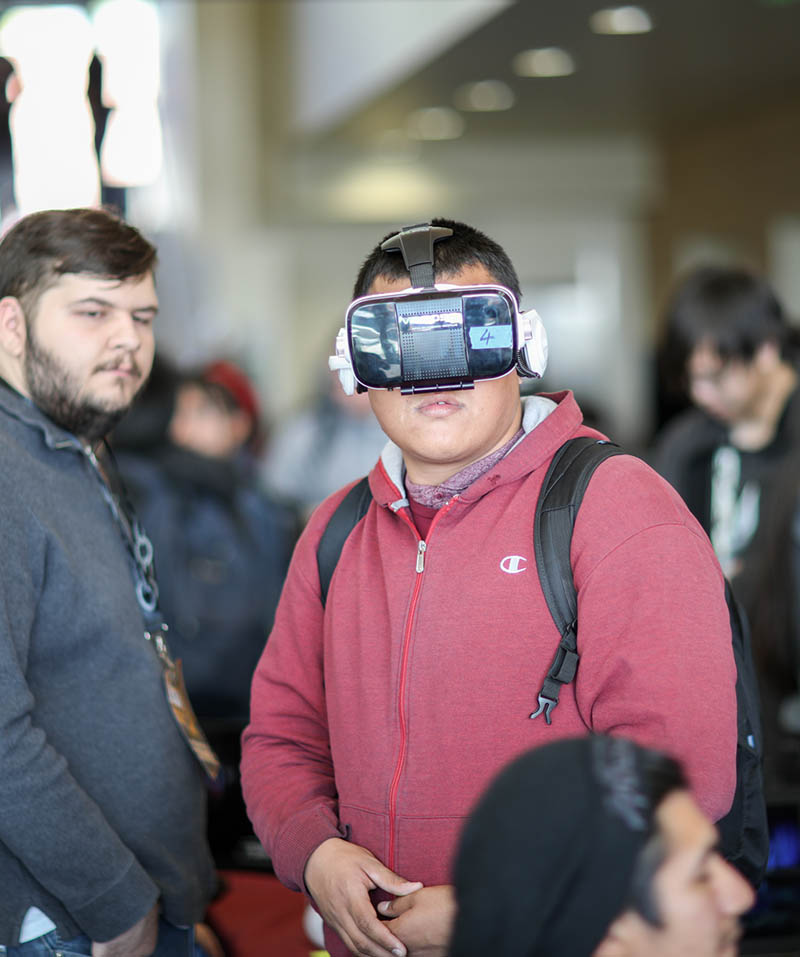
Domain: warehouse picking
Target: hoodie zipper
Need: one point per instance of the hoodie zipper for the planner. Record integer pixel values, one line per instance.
(422, 547)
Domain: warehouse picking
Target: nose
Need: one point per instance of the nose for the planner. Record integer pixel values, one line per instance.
(126, 332)
(734, 893)
(706, 395)
(702, 390)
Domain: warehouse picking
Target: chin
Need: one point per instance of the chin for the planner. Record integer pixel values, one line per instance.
(719, 415)
(114, 400)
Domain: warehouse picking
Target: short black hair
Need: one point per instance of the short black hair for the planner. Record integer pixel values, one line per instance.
(46, 245)
(731, 309)
(466, 247)
(659, 776)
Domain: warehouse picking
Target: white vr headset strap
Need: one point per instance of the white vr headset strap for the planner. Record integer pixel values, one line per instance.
(341, 363)
(532, 356)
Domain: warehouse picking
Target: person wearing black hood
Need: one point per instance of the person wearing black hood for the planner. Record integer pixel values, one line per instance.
(593, 847)
(222, 546)
(187, 454)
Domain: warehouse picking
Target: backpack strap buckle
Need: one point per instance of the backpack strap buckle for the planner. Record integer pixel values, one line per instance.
(546, 706)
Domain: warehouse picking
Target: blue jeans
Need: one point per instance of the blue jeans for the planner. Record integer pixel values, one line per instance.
(50, 945)
(172, 942)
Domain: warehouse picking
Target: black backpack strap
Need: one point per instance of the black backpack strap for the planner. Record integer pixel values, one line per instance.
(744, 830)
(349, 512)
(562, 492)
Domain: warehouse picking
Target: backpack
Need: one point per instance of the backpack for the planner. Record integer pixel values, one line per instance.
(744, 835)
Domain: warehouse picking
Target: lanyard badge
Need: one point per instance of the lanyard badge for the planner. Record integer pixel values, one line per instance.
(181, 707)
(140, 549)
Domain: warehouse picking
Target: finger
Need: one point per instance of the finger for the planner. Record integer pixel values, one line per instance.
(394, 908)
(387, 880)
(372, 938)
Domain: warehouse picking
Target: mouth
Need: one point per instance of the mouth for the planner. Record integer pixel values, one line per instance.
(437, 402)
(715, 411)
(124, 368)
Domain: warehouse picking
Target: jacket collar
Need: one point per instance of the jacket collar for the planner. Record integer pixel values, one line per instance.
(19, 407)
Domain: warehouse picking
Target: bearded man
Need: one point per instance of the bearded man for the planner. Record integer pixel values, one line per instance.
(102, 798)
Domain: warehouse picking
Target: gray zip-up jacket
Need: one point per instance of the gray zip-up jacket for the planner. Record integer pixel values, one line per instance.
(102, 804)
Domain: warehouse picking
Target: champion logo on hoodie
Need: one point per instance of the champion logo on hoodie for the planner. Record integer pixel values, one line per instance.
(514, 564)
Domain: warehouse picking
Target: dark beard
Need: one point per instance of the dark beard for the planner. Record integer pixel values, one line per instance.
(54, 392)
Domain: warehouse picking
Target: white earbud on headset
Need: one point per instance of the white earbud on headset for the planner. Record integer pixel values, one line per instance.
(532, 355)
(341, 363)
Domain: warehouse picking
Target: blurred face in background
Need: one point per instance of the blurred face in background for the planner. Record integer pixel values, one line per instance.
(730, 390)
(202, 424)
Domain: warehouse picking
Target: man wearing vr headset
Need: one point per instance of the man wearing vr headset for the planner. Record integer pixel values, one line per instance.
(380, 713)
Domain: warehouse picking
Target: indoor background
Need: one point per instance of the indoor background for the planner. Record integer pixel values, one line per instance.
(267, 145)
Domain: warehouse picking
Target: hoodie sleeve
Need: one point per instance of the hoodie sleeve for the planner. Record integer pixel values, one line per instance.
(287, 773)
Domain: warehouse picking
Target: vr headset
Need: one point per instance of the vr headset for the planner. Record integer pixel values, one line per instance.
(435, 337)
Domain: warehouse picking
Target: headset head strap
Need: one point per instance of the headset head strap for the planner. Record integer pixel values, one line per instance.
(416, 245)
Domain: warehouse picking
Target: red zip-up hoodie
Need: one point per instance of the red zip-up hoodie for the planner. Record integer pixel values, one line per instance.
(382, 717)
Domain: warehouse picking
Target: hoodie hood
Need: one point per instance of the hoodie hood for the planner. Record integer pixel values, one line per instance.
(552, 418)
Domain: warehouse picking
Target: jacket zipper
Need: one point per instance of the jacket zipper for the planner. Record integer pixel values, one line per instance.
(421, 556)
(422, 547)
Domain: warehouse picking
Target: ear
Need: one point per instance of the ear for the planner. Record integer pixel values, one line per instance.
(13, 330)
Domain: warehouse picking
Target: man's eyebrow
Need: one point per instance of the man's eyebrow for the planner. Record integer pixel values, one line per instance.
(97, 301)
(91, 299)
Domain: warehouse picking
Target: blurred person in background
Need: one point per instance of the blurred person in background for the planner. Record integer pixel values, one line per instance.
(102, 786)
(734, 457)
(593, 847)
(317, 450)
(188, 456)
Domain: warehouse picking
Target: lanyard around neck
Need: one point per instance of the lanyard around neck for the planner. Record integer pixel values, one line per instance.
(137, 543)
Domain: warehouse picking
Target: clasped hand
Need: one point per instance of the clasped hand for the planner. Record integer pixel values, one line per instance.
(340, 875)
